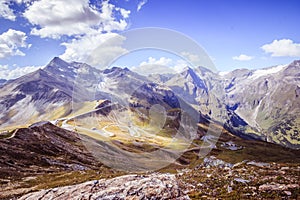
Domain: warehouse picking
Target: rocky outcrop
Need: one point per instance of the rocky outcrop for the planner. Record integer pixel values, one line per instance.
(154, 186)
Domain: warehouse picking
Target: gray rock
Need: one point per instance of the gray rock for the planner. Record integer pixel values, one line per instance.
(214, 162)
(241, 180)
(154, 186)
(231, 146)
(258, 164)
(288, 193)
(277, 187)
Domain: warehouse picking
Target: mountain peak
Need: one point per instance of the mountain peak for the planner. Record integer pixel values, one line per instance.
(190, 74)
(56, 61)
(115, 70)
(62, 68)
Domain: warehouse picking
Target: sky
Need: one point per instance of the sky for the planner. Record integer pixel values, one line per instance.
(234, 34)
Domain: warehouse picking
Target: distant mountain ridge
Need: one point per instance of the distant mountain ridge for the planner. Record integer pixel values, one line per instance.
(268, 101)
(262, 104)
(2, 81)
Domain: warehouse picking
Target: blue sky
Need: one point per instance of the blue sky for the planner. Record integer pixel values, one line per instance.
(235, 34)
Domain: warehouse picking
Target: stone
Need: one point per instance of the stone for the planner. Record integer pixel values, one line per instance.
(284, 168)
(288, 193)
(212, 161)
(229, 189)
(241, 180)
(277, 187)
(231, 146)
(258, 164)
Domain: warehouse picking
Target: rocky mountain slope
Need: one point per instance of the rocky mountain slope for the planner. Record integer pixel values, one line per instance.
(42, 149)
(268, 101)
(45, 148)
(27, 99)
(261, 104)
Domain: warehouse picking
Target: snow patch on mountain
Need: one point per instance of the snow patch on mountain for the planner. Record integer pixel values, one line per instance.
(263, 72)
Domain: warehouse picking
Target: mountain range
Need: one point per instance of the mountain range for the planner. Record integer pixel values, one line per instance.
(259, 104)
(69, 122)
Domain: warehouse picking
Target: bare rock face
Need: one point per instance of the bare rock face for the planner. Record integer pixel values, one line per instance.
(154, 186)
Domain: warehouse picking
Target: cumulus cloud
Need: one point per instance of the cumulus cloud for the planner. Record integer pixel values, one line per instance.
(242, 57)
(192, 58)
(26, 2)
(109, 21)
(97, 50)
(284, 47)
(3, 67)
(180, 65)
(11, 41)
(73, 17)
(125, 13)
(162, 65)
(5, 10)
(153, 61)
(6, 73)
(141, 4)
(90, 24)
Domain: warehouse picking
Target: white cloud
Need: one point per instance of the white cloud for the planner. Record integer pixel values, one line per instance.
(177, 65)
(5, 10)
(26, 2)
(284, 47)
(153, 61)
(124, 13)
(73, 17)
(10, 42)
(91, 26)
(97, 50)
(3, 67)
(242, 57)
(192, 58)
(180, 65)
(162, 65)
(108, 21)
(141, 4)
(6, 73)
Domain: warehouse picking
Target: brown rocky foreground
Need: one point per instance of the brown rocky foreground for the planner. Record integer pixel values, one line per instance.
(212, 179)
(46, 156)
